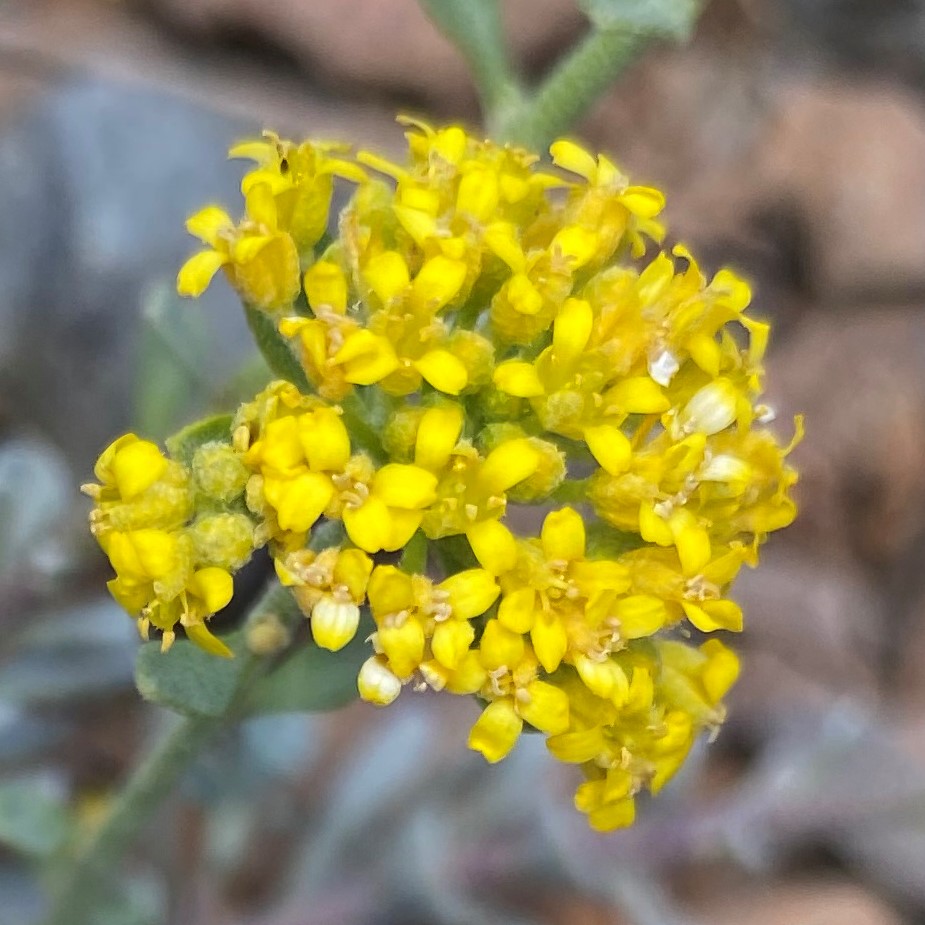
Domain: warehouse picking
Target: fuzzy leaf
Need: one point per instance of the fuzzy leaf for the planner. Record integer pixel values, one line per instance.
(183, 444)
(33, 821)
(188, 680)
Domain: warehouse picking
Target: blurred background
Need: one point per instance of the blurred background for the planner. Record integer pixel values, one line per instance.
(790, 137)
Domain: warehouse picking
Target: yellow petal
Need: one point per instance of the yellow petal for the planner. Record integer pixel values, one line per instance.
(692, 540)
(367, 357)
(613, 816)
(518, 378)
(577, 747)
(260, 204)
(576, 244)
(572, 329)
(438, 282)
(200, 635)
(640, 615)
(214, 587)
(522, 295)
(549, 638)
(721, 670)
(387, 275)
(714, 615)
(324, 440)
(496, 731)
(326, 287)
(443, 371)
(516, 610)
(638, 395)
(403, 645)
(604, 678)
(610, 447)
(402, 526)
(196, 274)
(653, 528)
(280, 447)
(544, 707)
(390, 591)
(471, 592)
(478, 193)
(369, 525)
(469, 675)
(298, 501)
(437, 436)
(563, 535)
(420, 225)
(136, 467)
(507, 464)
(572, 157)
(644, 201)
(451, 641)
(405, 486)
(499, 647)
(143, 555)
(208, 224)
(352, 569)
(501, 240)
(493, 545)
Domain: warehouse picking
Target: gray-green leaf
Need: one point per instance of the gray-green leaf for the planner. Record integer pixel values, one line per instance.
(33, 820)
(188, 680)
(310, 680)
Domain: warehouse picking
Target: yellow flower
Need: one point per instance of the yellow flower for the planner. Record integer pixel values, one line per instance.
(425, 627)
(171, 566)
(261, 259)
(329, 587)
(571, 607)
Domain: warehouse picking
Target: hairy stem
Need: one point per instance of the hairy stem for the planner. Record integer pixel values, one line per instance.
(572, 88)
(83, 887)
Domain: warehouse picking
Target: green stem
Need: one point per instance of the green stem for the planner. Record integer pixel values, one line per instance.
(572, 88)
(83, 886)
(79, 894)
(474, 27)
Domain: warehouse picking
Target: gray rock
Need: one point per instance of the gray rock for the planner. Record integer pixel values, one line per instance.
(96, 180)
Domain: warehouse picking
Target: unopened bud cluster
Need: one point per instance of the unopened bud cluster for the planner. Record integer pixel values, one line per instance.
(480, 333)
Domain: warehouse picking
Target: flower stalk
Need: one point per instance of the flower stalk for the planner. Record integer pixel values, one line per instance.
(82, 887)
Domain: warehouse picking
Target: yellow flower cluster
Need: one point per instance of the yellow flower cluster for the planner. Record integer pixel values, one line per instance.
(173, 539)
(481, 336)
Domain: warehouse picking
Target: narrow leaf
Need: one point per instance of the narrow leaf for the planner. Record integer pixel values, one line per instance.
(169, 370)
(272, 345)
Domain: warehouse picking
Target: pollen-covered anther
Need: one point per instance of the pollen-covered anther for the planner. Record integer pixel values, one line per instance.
(499, 681)
(699, 589)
